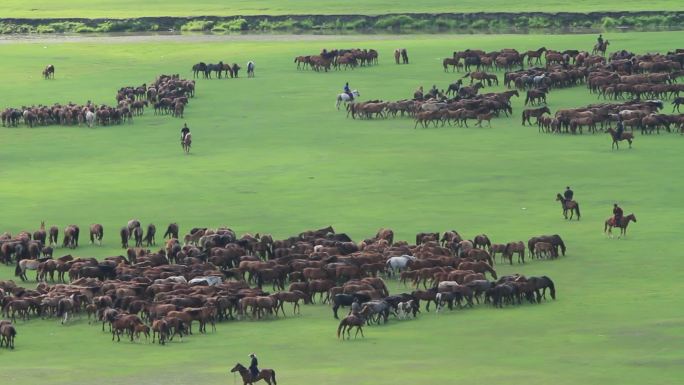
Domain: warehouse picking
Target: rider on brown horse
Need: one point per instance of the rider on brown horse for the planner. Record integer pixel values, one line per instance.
(617, 214)
(253, 366)
(600, 41)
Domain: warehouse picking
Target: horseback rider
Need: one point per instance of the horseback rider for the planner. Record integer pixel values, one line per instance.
(253, 366)
(348, 91)
(617, 214)
(355, 307)
(599, 41)
(184, 131)
(620, 128)
(568, 194)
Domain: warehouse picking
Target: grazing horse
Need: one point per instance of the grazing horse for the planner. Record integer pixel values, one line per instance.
(267, 375)
(628, 136)
(138, 236)
(125, 235)
(571, 206)
(96, 233)
(149, 237)
(344, 98)
(404, 56)
(478, 267)
(250, 69)
(187, 142)
(171, 231)
(53, 234)
(514, 247)
(397, 55)
(624, 222)
(49, 72)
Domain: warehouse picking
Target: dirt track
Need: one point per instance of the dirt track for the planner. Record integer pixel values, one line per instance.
(185, 38)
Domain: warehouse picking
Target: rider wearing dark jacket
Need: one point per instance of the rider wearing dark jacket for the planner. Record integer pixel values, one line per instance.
(568, 194)
(184, 131)
(600, 40)
(620, 128)
(617, 214)
(253, 366)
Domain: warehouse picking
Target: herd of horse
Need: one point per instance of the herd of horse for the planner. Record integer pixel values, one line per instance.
(212, 275)
(221, 69)
(340, 59)
(167, 93)
(622, 74)
(642, 115)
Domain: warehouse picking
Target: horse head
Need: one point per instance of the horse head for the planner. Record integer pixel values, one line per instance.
(237, 368)
(632, 217)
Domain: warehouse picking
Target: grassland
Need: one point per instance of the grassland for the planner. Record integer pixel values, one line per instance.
(271, 154)
(131, 8)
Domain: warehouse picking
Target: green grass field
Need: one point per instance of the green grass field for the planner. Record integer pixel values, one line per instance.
(131, 8)
(271, 154)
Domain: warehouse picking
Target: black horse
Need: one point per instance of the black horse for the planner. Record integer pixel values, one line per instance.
(542, 283)
(341, 300)
(404, 56)
(198, 68)
(218, 68)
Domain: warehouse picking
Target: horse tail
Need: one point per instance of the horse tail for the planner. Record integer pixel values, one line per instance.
(466, 75)
(274, 378)
(552, 288)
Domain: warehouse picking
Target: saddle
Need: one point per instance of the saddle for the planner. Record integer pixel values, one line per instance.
(351, 96)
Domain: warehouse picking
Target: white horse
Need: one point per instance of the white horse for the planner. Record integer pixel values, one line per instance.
(395, 264)
(343, 97)
(250, 69)
(90, 118)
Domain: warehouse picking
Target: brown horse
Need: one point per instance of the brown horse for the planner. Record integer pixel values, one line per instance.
(353, 321)
(514, 248)
(267, 375)
(49, 72)
(54, 233)
(624, 222)
(397, 55)
(478, 267)
(628, 136)
(171, 231)
(571, 206)
(41, 234)
(187, 142)
(534, 112)
(96, 233)
(600, 48)
(125, 234)
(7, 334)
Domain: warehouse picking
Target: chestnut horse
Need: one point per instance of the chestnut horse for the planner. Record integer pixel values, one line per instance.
(267, 375)
(628, 136)
(96, 233)
(571, 206)
(624, 222)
